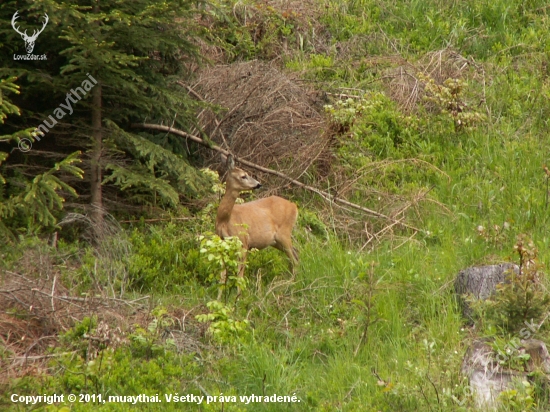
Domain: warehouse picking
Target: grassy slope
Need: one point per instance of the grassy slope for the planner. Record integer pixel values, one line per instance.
(306, 334)
(496, 177)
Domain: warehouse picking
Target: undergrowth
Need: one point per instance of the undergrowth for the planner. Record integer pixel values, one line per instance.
(364, 325)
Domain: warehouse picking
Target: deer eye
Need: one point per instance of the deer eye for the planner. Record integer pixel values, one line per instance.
(244, 177)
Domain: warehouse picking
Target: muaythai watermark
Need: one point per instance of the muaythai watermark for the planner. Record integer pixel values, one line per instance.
(73, 97)
(29, 40)
(511, 349)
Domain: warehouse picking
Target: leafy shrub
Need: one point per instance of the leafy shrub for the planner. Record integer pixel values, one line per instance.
(223, 256)
(448, 98)
(372, 126)
(164, 258)
(520, 399)
(223, 327)
(252, 30)
(311, 222)
(148, 342)
(522, 299)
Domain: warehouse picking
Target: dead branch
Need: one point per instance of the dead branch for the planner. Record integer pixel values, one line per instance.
(164, 219)
(39, 357)
(323, 194)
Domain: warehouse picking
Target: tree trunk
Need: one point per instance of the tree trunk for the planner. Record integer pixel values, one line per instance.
(95, 173)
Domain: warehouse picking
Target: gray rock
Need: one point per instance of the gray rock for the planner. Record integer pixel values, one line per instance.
(481, 282)
(488, 378)
(539, 356)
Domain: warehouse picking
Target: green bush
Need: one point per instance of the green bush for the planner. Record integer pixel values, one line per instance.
(164, 258)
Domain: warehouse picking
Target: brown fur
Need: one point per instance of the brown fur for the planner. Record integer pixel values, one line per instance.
(258, 224)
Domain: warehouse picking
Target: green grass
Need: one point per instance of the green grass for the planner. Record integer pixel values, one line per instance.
(306, 333)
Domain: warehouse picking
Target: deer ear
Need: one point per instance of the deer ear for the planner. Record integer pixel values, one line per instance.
(230, 162)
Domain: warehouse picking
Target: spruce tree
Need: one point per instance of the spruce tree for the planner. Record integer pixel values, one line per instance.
(109, 63)
(30, 203)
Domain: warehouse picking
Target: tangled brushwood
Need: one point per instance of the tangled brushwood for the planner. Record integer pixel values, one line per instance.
(265, 116)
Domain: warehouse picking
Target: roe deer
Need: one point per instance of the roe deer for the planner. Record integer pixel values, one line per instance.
(258, 224)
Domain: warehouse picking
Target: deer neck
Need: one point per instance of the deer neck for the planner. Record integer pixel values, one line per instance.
(226, 207)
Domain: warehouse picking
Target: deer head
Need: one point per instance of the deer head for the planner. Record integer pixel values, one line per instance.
(29, 40)
(237, 179)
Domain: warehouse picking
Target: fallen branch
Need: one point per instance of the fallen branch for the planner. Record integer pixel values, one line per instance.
(164, 219)
(325, 195)
(40, 357)
(89, 299)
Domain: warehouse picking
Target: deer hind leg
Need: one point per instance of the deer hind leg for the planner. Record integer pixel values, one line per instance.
(284, 244)
(295, 256)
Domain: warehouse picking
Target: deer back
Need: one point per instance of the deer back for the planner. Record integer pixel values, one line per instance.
(263, 222)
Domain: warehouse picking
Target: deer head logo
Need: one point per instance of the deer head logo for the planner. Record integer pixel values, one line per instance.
(29, 40)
